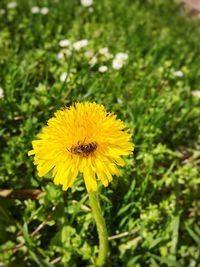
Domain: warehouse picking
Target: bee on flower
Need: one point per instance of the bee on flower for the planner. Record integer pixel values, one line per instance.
(83, 138)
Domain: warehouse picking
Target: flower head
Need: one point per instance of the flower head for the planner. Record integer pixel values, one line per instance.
(2, 11)
(178, 73)
(60, 55)
(119, 60)
(121, 56)
(82, 138)
(11, 5)
(93, 61)
(117, 64)
(35, 10)
(89, 54)
(80, 44)
(63, 76)
(1, 92)
(196, 93)
(103, 51)
(103, 68)
(44, 10)
(64, 43)
(86, 2)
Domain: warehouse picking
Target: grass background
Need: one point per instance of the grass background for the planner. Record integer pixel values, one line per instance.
(154, 207)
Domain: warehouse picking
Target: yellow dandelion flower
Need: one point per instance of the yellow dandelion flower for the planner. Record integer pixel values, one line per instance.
(83, 138)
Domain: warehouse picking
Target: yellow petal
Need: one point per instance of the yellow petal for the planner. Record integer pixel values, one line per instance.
(90, 179)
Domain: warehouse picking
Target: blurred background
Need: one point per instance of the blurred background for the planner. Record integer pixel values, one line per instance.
(141, 60)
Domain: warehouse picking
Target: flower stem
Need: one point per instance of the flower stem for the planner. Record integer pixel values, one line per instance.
(101, 228)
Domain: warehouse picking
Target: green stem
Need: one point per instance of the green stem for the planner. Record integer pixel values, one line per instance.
(101, 228)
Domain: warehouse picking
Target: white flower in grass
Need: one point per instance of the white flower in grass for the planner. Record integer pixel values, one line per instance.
(2, 11)
(1, 92)
(11, 5)
(103, 68)
(119, 60)
(196, 93)
(64, 43)
(35, 10)
(117, 64)
(60, 55)
(93, 61)
(44, 10)
(86, 2)
(80, 44)
(178, 73)
(121, 56)
(63, 76)
(89, 54)
(103, 51)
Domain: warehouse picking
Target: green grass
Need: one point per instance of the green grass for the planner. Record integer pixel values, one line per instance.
(156, 200)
